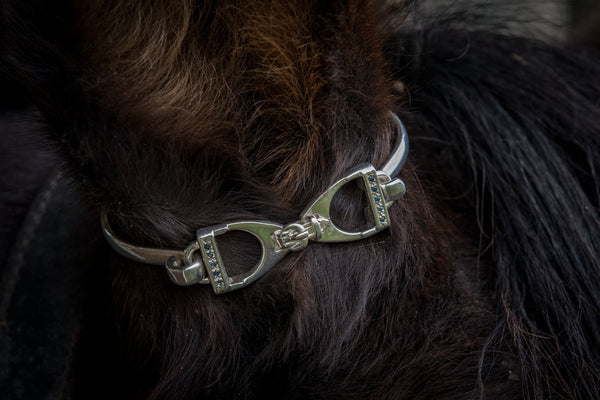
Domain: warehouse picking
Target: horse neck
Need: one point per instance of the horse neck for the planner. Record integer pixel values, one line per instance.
(191, 117)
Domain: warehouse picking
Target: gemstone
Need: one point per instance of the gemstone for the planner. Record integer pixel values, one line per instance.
(374, 189)
(214, 264)
(219, 283)
(371, 178)
(210, 254)
(377, 198)
(207, 246)
(216, 273)
(382, 219)
(379, 208)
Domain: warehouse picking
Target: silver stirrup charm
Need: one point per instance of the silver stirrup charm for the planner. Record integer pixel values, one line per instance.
(201, 261)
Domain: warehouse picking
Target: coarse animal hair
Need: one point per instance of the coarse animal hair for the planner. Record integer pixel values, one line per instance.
(176, 116)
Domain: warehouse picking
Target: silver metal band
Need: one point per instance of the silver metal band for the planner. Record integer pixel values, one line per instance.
(201, 261)
(398, 157)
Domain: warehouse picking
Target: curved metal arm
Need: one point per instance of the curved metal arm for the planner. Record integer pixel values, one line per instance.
(145, 255)
(396, 161)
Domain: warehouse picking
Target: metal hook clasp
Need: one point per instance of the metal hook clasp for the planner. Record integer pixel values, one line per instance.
(381, 191)
(211, 257)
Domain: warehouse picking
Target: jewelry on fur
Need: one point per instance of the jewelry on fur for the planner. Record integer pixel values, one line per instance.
(201, 261)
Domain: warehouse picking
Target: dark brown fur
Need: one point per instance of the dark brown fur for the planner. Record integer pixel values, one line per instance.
(222, 72)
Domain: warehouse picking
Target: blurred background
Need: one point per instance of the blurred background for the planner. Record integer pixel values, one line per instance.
(581, 9)
(561, 16)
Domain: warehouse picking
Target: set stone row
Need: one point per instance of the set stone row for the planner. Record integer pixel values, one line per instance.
(213, 264)
(378, 197)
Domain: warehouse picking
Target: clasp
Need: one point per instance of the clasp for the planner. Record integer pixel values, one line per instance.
(295, 236)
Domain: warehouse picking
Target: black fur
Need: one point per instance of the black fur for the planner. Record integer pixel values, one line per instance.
(519, 119)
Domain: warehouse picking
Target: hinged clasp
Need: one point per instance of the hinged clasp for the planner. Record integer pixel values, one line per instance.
(295, 236)
(189, 270)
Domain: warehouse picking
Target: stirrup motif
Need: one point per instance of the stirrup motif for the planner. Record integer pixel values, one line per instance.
(201, 262)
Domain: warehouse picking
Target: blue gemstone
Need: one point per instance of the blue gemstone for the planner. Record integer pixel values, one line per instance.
(214, 264)
(210, 254)
(207, 246)
(377, 198)
(371, 178)
(216, 273)
(379, 208)
(374, 189)
(382, 219)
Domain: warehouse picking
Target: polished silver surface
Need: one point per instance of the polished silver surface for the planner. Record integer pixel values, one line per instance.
(398, 157)
(201, 261)
(321, 207)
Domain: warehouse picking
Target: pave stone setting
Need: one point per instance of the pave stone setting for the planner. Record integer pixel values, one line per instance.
(214, 264)
(377, 201)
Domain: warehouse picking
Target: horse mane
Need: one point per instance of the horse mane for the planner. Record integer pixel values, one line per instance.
(175, 118)
(518, 125)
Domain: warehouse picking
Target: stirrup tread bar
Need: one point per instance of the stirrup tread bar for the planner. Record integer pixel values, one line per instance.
(201, 261)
